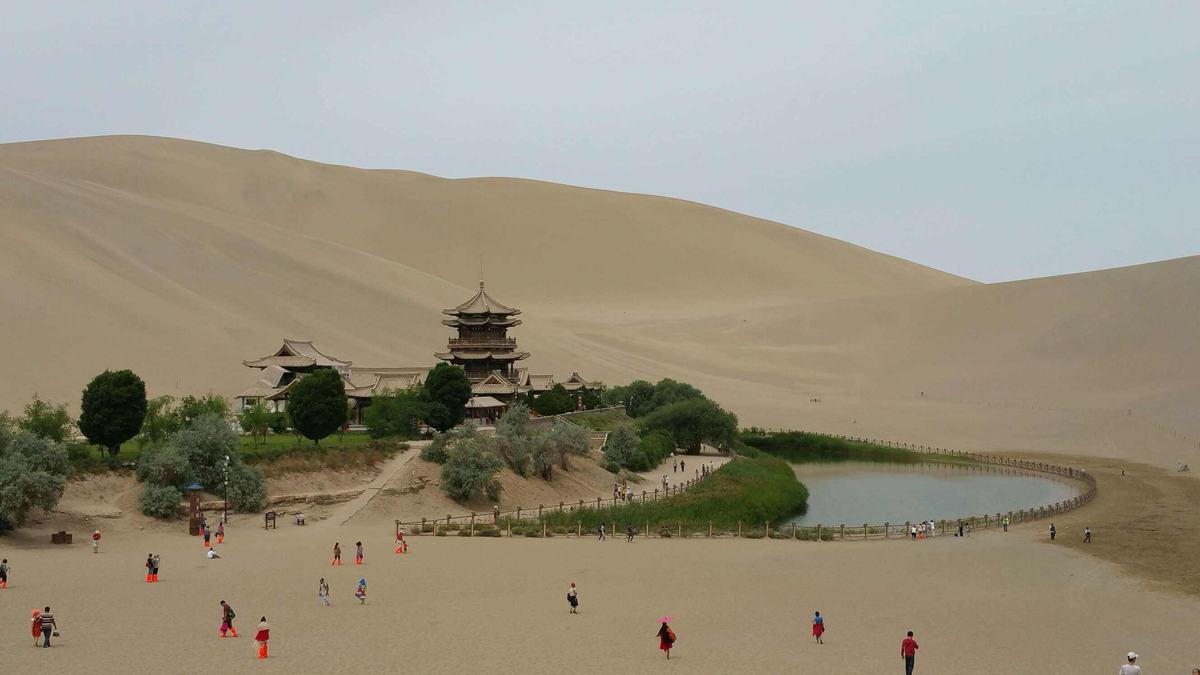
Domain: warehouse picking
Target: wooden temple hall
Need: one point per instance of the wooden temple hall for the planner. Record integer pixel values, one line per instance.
(482, 348)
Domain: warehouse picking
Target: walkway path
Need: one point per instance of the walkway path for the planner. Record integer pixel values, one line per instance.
(690, 462)
(346, 511)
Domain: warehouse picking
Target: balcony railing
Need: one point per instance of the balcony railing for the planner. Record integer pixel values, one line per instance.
(483, 342)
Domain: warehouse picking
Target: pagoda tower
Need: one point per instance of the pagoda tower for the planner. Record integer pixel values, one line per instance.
(483, 345)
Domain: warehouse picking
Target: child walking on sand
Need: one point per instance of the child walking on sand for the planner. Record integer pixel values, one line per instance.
(573, 598)
(358, 553)
(323, 592)
(361, 592)
(221, 532)
(262, 637)
(337, 554)
(401, 545)
(95, 541)
(818, 627)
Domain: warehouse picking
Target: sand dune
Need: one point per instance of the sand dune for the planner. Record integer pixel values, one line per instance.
(179, 259)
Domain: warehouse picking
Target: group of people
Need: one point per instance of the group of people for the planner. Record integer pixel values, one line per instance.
(666, 636)
(925, 529)
(622, 491)
(261, 637)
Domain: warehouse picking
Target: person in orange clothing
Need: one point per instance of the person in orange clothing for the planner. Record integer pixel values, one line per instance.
(221, 532)
(401, 545)
(337, 553)
(262, 637)
(358, 553)
(37, 625)
(149, 568)
(207, 538)
(227, 616)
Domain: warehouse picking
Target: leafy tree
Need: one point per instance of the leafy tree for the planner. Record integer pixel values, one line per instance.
(622, 445)
(256, 420)
(637, 397)
(439, 447)
(694, 421)
(668, 391)
(395, 414)
(206, 444)
(513, 433)
(33, 473)
(160, 501)
(447, 391)
(544, 454)
(46, 420)
(192, 408)
(247, 489)
(593, 396)
(471, 470)
(317, 404)
(654, 447)
(164, 467)
(112, 409)
(161, 420)
(556, 401)
(568, 440)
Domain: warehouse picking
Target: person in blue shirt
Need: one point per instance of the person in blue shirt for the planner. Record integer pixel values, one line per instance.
(818, 627)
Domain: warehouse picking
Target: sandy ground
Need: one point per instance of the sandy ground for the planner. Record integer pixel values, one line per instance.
(992, 603)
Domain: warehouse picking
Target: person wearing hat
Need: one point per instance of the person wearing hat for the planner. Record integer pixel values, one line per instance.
(95, 541)
(1131, 668)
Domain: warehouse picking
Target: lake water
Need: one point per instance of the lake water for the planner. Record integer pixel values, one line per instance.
(853, 493)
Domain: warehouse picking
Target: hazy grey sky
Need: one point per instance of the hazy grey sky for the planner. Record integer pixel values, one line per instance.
(997, 140)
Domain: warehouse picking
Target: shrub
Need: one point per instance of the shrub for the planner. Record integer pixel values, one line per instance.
(192, 408)
(33, 473)
(513, 434)
(205, 444)
(159, 423)
(612, 467)
(247, 489)
(636, 395)
(159, 501)
(279, 422)
(621, 445)
(317, 404)
(439, 447)
(394, 414)
(164, 467)
(46, 420)
(112, 409)
(255, 420)
(488, 532)
(470, 471)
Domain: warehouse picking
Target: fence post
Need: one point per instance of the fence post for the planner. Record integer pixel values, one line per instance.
(578, 529)
(508, 526)
(655, 494)
(422, 526)
(540, 507)
(518, 513)
(543, 529)
(580, 504)
(679, 529)
(435, 528)
(793, 530)
(867, 536)
(643, 496)
(447, 521)
(560, 507)
(739, 528)
(767, 530)
(647, 529)
(597, 503)
(842, 536)
(472, 523)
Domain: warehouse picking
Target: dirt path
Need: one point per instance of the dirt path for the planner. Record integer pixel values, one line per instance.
(344, 512)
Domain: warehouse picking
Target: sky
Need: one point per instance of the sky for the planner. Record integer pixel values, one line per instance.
(997, 141)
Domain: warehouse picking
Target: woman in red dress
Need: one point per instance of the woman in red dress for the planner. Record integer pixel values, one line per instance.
(818, 627)
(262, 636)
(666, 636)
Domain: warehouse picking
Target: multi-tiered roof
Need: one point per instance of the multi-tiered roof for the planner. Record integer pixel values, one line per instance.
(483, 346)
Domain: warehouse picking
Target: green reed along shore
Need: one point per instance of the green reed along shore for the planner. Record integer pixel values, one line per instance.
(753, 488)
(802, 446)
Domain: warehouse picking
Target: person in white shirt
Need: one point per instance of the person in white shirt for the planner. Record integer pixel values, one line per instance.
(1131, 668)
(212, 554)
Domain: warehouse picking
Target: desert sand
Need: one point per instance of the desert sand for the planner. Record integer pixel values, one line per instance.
(180, 259)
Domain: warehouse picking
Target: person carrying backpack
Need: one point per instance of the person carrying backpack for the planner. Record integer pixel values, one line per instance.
(666, 636)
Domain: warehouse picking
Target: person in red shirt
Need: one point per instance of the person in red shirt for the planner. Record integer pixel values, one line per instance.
(908, 651)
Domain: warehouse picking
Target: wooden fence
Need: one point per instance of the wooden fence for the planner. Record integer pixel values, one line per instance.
(503, 522)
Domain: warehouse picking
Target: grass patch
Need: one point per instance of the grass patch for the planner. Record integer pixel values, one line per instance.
(87, 458)
(802, 446)
(600, 420)
(753, 488)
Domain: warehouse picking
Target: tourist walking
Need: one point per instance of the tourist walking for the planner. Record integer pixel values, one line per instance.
(95, 541)
(227, 616)
(912, 531)
(1131, 667)
(337, 554)
(4, 573)
(361, 592)
(1087, 535)
(221, 532)
(675, 466)
(157, 560)
(207, 538)
(573, 598)
(1004, 523)
(1053, 531)
(401, 545)
(49, 626)
(666, 636)
(36, 625)
(262, 636)
(323, 592)
(683, 466)
(601, 532)
(960, 528)
(818, 627)
(496, 514)
(629, 533)
(149, 568)
(358, 553)
(908, 651)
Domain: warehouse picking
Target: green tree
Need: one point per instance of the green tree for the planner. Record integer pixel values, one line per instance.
(206, 444)
(471, 470)
(158, 501)
(544, 454)
(556, 401)
(622, 445)
(568, 440)
(160, 422)
(514, 432)
(593, 396)
(637, 397)
(192, 408)
(164, 467)
(112, 409)
(691, 422)
(46, 420)
(247, 488)
(33, 473)
(317, 404)
(447, 391)
(256, 420)
(669, 391)
(395, 414)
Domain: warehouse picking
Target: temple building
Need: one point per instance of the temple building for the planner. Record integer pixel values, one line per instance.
(482, 349)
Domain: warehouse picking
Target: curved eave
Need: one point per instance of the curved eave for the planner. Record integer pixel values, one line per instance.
(485, 321)
(481, 356)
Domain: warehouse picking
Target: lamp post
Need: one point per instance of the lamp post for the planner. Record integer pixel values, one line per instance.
(225, 513)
